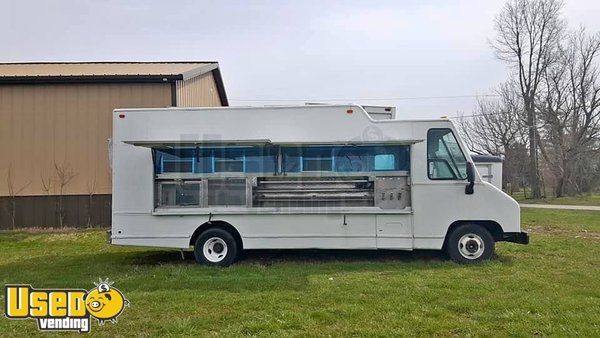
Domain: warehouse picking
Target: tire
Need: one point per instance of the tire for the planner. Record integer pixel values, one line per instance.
(216, 247)
(470, 243)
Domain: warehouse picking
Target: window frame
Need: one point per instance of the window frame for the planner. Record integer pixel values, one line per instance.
(311, 158)
(458, 178)
(303, 165)
(182, 160)
(242, 181)
(160, 184)
(224, 159)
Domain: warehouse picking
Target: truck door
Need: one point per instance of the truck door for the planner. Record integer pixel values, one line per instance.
(439, 188)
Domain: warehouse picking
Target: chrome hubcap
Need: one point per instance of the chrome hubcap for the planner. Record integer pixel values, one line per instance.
(471, 246)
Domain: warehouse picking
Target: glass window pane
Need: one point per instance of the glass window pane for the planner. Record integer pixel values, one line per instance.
(177, 166)
(168, 196)
(174, 160)
(204, 161)
(372, 158)
(317, 159)
(317, 152)
(444, 156)
(179, 194)
(229, 160)
(458, 159)
(228, 157)
(226, 191)
(189, 194)
(291, 159)
(229, 166)
(353, 158)
(385, 162)
(316, 165)
(261, 160)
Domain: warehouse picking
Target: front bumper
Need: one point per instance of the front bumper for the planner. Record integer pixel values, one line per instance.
(515, 237)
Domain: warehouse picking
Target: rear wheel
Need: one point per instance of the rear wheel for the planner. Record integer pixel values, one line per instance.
(216, 247)
(470, 243)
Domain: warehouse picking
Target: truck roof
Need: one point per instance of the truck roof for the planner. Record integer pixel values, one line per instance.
(282, 107)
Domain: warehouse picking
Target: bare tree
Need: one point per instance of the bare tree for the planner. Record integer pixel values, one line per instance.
(47, 187)
(91, 186)
(496, 127)
(495, 123)
(528, 32)
(13, 192)
(46, 183)
(65, 175)
(570, 111)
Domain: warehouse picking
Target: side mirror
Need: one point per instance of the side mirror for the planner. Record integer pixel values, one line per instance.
(470, 178)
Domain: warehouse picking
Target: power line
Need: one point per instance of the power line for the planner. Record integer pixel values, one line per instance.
(534, 126)
(406, 98)
(473, 115)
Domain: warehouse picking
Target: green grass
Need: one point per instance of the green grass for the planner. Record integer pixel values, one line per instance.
(550, 287)
(592, 199)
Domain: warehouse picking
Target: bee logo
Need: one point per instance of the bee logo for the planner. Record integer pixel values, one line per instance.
(65, 309)
(104, 302)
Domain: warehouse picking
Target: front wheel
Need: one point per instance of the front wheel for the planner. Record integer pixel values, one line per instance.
(470, 243)
(216, 247)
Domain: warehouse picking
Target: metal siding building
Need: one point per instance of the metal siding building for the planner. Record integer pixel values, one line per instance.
(56, 119)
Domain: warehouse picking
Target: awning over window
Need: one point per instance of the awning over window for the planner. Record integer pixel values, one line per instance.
(250, 143)
(198, 143)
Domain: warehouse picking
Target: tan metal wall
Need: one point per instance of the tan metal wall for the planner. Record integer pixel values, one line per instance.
(64, 124)
(200, 91)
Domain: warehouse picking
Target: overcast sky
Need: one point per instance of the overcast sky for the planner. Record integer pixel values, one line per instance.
(355, 51)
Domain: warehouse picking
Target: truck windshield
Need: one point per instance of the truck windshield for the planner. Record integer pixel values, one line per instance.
(445, 159)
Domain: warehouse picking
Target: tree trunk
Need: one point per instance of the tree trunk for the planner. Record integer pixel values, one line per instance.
(61, 213)
(563, 178)
(89, 218)
(13, 213)
(534, 179)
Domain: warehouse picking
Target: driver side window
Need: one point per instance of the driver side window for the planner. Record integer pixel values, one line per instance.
(445, 160)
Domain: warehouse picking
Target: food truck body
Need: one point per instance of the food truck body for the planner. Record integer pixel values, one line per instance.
(223, 180)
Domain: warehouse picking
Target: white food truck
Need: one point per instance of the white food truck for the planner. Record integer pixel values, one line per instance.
(223, 180)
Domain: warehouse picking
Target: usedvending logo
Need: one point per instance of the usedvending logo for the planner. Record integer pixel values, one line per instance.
(65, 309)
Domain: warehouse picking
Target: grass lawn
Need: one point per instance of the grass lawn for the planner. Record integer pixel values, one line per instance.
(593, 200)
(550, 287)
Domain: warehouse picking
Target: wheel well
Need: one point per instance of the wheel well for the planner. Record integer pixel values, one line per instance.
(221, 225)
(493, 227)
